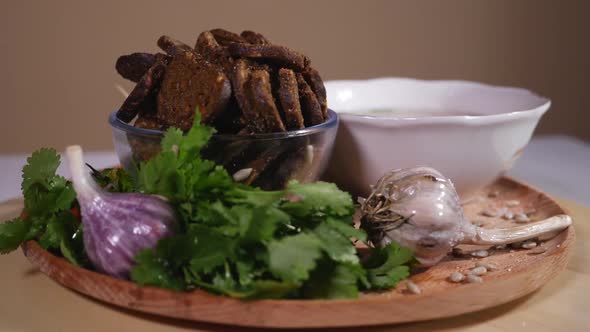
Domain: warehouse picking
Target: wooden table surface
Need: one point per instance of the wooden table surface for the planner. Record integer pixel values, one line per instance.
(32, 302)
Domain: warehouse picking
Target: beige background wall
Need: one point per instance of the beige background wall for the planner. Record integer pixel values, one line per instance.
(57, 57)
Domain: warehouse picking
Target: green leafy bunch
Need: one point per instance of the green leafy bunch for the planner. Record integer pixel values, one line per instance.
(233, 239)
(249, 243)
(50, 210)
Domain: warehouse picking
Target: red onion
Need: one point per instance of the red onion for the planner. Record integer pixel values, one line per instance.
(117, 226)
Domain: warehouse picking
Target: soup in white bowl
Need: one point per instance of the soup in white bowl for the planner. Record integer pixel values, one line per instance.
(469, 131)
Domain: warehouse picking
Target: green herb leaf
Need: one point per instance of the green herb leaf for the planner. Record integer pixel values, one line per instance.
(13, 233)
(347, 229)
(41, 166)
(293, 257)
(385, 267)
(318, 197)
(335, 244)
(152, 271)
(211, 250)
(332, 281)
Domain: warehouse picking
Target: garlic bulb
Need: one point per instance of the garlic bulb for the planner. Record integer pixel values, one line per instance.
(418, 208)
(117, 226)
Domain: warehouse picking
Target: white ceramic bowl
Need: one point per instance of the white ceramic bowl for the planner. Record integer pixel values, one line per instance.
(412, 127)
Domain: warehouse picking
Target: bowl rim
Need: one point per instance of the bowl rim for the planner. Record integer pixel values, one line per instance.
(537, 111)
(332, 121)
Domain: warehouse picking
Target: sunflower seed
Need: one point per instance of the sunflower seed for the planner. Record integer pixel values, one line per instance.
(512, 203)
(508, 215)
(412, 287)
(487, 266)
(529, 245)
(309, 154)
(489, 213)
(472, 279)
(521, 218)
(456, 277)
(478, 271)
(242, 174)
(537, 250)
(480, 253)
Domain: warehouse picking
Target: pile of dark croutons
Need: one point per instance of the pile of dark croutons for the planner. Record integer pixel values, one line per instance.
(241, 84)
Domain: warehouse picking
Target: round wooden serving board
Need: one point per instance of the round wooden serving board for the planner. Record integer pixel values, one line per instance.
(517, 273)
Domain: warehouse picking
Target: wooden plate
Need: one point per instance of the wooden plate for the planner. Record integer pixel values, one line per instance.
(518, 272)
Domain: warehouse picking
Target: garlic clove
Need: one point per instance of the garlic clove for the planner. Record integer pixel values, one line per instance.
(117, 226)
(418, 208)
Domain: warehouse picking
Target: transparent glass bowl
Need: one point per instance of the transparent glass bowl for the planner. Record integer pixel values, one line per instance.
(267, 161)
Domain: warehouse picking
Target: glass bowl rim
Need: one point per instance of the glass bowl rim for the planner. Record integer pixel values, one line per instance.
(332, 121)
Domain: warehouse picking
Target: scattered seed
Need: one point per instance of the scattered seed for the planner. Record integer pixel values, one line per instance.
(309, 154)
(509, 269)
(512, 203)
(529, 245)
(538, 250)
(456, 277)
(478, 271)
(508, 215)
(500, 247)
(512, 251)
(489, 213)
(242, 174)
(477, 199)
(521, 218)
(557, 246)
(530, 211)
(472, 279)
(412, 287)
(480, 253)
(487, 266)
(493, 194)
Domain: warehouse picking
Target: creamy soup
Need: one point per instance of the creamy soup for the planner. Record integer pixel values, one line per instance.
(414, 113)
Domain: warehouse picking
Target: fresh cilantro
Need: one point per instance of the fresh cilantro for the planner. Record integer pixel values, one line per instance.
(336, 245)
(249, 243)
(333, 281)
(13, 233)
(151, 270)
(113, 179)
(233, 239)
(293, 257)
(318, 197)
(41, 167)
(387, 266)
(47, 218)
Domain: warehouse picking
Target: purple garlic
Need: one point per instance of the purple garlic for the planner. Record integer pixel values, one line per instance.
(117, 226)
(418, 208)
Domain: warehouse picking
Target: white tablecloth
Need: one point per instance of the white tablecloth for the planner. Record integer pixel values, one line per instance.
(558, 165)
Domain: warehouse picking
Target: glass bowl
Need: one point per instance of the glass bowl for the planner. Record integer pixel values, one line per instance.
(267, 161)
